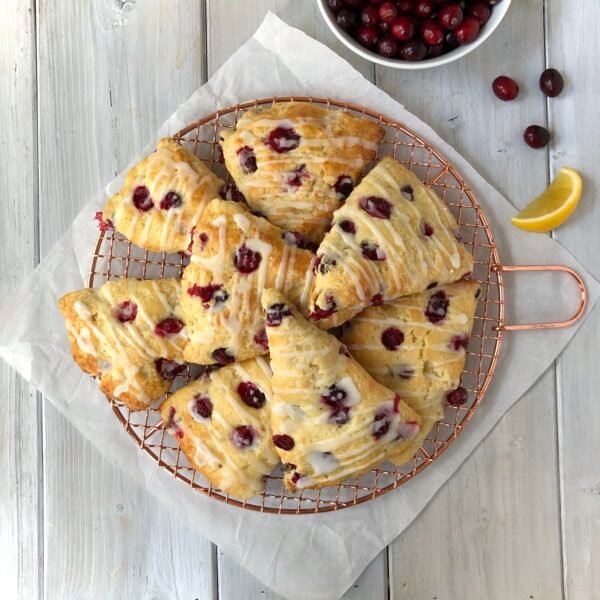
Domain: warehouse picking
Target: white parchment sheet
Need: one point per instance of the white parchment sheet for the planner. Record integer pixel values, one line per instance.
(301, 557)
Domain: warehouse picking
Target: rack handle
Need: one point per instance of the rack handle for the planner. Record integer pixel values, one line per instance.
(557, 324)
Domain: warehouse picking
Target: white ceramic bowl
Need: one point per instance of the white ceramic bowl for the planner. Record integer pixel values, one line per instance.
(498, 14)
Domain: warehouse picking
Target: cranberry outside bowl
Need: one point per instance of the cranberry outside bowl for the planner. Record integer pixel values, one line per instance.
(498, 12)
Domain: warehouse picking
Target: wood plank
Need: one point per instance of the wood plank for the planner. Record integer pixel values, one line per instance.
(20, 467)
(491, 532)
(107, 82)
(571, 36)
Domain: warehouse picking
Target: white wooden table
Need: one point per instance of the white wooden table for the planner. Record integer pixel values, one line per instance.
(83, 85)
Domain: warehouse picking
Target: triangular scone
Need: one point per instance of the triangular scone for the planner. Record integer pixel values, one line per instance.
(235, 255)
(162, 198)
(416, 346)
(222, 423)
(129, 334)
(295, 162)
(393, 237)
(331, 420)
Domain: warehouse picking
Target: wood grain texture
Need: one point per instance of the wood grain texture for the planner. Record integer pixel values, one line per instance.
(19, 425)
(574, 123)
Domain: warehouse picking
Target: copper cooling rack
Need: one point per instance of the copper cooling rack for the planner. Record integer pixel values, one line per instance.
(115, 257)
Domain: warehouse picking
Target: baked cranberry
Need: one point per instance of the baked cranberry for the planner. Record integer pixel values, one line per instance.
(432, 285)
(318, 314)
(424, 8)
(372, 251)
(326, 264)
(431, 33)
(223, 356)
(171, 200)
(459, 341)
(450, 16)
(377, 300)
(296, 477)
(467, 31)
(247, 159)
(407, 192)
(426, 229)
(334, 399)
(505, 88)
(369, 15)
(261, 339)
(437, 307)
(551, 83)
(251, 394)
(285, 442)
(126, 311)
(103, 225)
(413, 51)
(246, 260)
(387, 47)
(536, 136)
(335, 5)
(171, 425)
(387, 12)
(282, 139)
(367, 35)
(168, 326)
(230, 191)
(392, 338)
(348, 226)
(457, 397)
(377, 207)
(168, 369)
(344, 186)
(203, 407)
(405, 7)
(275, 314)
(141, 198)
(205, 292)
(381, 424)
(403, 28)
(297, 176)
(242, 437)
(346, 20)
(480, 10)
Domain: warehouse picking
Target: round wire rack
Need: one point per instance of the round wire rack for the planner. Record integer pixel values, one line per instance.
(116, 257)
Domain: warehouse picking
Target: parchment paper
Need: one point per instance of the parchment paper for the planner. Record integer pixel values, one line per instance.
(316, 556)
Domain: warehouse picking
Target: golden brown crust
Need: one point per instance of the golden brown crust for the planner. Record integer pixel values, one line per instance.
(173, 177)
(300, 186)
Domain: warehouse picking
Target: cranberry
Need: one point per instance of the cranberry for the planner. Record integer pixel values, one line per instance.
(285, 442)
(103, 225)
(346, 20)
(407, 192)
(377, 300)
(437, 307)
(505, 88)
(551, 83)
(275, 314)
(381, 424)
(141, 198)
(296, 477)
(450, 42)
(171, 200)
(435, 51)
(251, 394)
(457, 397)
(426, 229)
(223, 356)
(367, 35)
(335, 5)
(282, 139)
(369, 15)
(168, 369)
(171, 425)
(203, 406)
(405, 7)
(424, 8)
(387, 12)
(261, 339)
(480, 10)
(467, 31)
(348, 226)
(343, 186)
(379, 208)
(168, 326)
(450, 16)
(230, 192)
(297, 176)
(334, 399)
(319, 313)
(388, 47)
(385, 27)
(536, 136)
(247, 159)
(126, 311)
(403, 28)
(242, 437)
(413, 51)
(246, 260)
(459, 341)
(431, 33)
(203, 237)
(325, 265)
(392, 338)
(371, 251)
(207, 292)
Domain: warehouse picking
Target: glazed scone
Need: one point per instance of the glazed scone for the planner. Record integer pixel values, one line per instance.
(235, 255)
(393, 237)
(295, 162)
(222, 423)
(331, 420)
(416, 346)
(162, 198)
(130, 334)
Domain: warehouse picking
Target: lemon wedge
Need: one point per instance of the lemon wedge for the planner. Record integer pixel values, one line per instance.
(554, 206)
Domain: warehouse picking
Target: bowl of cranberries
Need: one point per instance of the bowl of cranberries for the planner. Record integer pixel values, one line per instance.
(413, 34)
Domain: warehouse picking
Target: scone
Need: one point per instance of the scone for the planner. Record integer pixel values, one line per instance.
(130, 334)
(235, 255)
(331, 420)
(296, 162)
(162, 198)
(393, 237)
(222, 423)
(416, 346)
